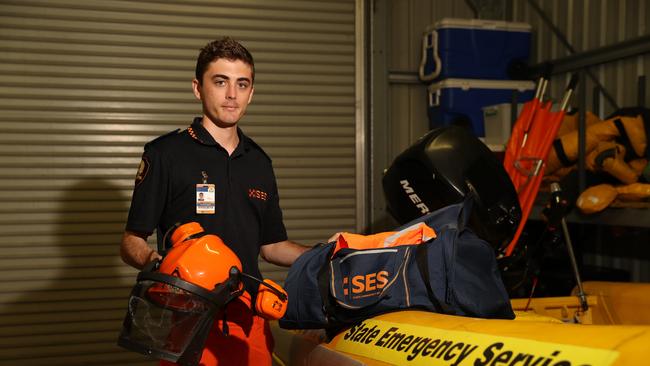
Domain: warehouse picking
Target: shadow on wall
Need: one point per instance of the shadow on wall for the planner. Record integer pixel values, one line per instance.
(619, 248)
(76, 299)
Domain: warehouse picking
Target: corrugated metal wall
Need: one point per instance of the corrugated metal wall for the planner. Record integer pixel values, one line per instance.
(400, 102)
(407, 101)
(587, 24)
(84, 84)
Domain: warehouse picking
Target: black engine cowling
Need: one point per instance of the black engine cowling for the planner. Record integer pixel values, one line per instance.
(440, 169)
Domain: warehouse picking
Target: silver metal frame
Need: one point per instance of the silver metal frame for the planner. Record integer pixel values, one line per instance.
(361, 116)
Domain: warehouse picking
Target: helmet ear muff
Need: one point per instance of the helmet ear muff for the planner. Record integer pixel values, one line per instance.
(271, 302)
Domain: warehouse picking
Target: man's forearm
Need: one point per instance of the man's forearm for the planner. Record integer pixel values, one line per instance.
(283, 253)
(135, 251)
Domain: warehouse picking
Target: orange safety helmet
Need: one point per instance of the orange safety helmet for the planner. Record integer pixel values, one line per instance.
(204, 260)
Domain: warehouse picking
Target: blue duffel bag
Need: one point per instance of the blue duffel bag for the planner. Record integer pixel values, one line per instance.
(455, 273)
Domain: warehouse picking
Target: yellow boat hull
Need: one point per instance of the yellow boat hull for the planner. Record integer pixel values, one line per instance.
(547, 332)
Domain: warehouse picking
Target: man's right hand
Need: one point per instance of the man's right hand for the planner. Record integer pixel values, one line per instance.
(153, 256)
(135, 251)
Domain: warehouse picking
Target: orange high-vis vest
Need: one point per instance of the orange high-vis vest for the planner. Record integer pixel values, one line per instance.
(412, 235)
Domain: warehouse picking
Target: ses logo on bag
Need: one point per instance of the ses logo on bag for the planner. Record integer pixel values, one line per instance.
(365, 285)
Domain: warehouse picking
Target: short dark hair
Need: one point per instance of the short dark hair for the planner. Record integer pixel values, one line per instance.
(225, 47)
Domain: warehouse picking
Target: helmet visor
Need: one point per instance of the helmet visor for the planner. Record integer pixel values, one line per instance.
(169, 318)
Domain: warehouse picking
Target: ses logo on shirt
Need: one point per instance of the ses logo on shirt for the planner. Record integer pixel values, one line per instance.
(257, 194)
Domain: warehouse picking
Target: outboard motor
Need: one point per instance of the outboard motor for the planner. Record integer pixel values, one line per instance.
(440, 169)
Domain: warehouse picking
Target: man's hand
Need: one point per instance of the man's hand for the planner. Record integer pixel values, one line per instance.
(153, 256)
(135, 251)
(334, 237)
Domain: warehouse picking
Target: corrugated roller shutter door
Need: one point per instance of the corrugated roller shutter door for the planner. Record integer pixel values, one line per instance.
(84, 84)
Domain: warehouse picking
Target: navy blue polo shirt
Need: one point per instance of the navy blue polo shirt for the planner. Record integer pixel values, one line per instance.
(246, 214)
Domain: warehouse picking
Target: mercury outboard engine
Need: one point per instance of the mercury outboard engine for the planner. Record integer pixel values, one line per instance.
(440, 169)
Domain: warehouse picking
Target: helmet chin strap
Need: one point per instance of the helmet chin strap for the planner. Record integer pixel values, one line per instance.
(162, 244)
(236, 274)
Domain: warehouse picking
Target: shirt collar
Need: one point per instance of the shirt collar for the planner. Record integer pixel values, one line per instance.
(202, 136)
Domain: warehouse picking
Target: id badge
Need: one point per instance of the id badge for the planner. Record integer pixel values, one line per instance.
(205, 198)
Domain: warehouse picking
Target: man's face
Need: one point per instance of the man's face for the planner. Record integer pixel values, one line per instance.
(225, 91)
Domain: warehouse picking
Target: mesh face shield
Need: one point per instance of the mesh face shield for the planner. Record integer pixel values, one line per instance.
(169, 318)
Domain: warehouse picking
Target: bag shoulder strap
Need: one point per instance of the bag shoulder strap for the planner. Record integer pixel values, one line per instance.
(421, 259)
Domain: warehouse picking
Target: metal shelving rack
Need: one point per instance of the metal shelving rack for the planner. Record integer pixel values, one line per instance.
(580, 63)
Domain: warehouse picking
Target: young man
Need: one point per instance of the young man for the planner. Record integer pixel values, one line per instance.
(213, 160)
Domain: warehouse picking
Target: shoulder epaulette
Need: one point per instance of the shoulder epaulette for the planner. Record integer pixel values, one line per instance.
(161, 137)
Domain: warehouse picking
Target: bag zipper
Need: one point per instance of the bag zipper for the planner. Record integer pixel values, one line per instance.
(370, 251)
(406, 285)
